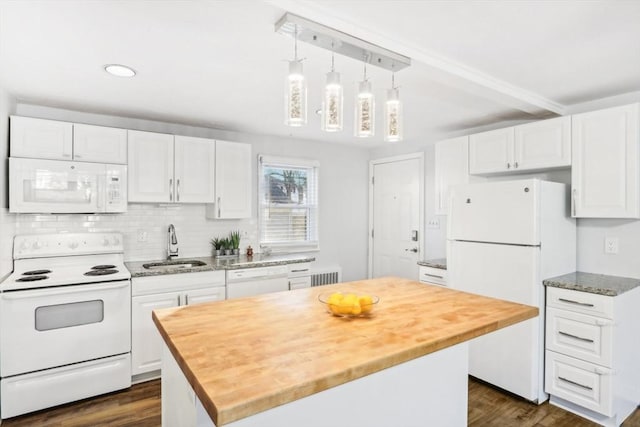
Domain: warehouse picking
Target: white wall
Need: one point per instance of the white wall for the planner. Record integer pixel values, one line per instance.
(7, 222)
(343, 198)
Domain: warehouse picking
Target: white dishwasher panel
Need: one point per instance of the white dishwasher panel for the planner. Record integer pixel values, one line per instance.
(256, 281)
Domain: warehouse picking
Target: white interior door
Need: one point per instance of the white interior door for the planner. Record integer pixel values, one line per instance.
(396, 216)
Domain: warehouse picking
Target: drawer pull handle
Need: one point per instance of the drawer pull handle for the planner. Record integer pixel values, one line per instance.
(433, 275)
(586, 387)
(584, 304)
(299, 271)
(575, 336)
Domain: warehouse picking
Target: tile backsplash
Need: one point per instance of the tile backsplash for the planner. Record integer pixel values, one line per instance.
(144, 228)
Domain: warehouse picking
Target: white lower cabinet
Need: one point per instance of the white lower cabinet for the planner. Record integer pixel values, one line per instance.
(299, 275)
(156, 292)
(592, 352)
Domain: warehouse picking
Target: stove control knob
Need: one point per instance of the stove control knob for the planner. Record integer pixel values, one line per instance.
(73, 245)
(24, 245)
(116, 241)
(105, 242)
(36, 245)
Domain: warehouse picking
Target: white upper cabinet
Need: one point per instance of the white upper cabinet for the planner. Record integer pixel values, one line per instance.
(451, 168)
(491, 152)
(99, 144)
(605, 164)
(194, 169)
(541, 145)
(544, 144)
(51, 139)
(41, 139)
(150, 167)
(233, 181)
(168, 169)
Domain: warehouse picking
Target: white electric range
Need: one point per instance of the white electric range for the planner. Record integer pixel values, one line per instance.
(65, 321)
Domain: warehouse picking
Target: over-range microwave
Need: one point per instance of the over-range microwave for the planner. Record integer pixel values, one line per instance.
(59, 186)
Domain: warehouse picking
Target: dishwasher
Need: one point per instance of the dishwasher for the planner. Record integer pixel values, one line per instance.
(256, 281)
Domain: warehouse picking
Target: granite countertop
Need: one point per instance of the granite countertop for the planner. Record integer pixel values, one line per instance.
(246, 355)
(593, 283)
(235, 263)
(440, 263)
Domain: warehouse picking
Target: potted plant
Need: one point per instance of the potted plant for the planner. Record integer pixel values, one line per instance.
(234, 240)
(216, 243)
(226, 246)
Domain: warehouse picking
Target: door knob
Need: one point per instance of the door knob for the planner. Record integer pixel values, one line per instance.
(415, 250)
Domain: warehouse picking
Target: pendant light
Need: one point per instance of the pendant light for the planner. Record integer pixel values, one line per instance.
(295, 105)
(333, 100)
(393, 114)
(365, 109)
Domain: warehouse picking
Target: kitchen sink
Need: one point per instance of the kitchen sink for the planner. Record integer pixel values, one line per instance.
(175, 264)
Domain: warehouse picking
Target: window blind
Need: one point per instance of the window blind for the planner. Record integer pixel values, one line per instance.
(288, 203)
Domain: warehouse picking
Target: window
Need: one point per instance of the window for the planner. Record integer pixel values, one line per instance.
(288, 203)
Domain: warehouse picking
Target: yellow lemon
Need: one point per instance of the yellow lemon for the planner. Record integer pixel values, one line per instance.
(366, 303)
(355, 308)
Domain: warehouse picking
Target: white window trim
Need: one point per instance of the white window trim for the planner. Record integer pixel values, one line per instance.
(284, 248)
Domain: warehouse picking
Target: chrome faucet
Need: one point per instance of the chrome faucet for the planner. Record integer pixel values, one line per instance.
(172, 242)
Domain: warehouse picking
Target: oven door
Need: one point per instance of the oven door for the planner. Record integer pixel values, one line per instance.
(45, 328)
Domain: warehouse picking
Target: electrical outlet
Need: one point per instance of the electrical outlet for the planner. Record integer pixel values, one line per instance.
(142, 236)
(611, 245)
(433, 223)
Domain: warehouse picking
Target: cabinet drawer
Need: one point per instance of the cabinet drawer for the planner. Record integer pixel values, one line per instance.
(580, 382)
(581, 302)
(300, 269)
(300, 282)
(585, 337)
(433, 275)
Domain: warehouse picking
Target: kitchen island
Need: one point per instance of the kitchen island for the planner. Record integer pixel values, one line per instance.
(279, 359)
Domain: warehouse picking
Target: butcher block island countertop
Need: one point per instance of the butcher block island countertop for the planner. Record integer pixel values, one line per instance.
(247, 355)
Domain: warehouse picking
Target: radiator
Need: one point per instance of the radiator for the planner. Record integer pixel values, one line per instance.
(326, 276)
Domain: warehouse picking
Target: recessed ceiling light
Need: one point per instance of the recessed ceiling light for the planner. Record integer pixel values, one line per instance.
(119, 70)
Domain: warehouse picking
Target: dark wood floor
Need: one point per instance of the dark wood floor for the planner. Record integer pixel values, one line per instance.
(139, 406)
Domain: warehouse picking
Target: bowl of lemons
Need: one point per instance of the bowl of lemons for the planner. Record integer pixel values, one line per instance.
(349, 304)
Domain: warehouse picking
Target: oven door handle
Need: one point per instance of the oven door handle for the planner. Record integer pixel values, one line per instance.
(63, 290)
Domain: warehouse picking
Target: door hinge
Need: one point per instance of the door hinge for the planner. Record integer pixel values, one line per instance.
(372, 233)
(373, 180)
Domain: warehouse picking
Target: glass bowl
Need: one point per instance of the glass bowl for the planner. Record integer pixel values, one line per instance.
(349, 304)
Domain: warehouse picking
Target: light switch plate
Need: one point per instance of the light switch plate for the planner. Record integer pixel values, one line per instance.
(433, 223)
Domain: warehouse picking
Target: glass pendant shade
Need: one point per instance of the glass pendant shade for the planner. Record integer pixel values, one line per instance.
(393, 117)
(365, 111)
(332, 105)
(295, 104)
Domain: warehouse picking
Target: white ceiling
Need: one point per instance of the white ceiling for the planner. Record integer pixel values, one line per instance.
(220, 64)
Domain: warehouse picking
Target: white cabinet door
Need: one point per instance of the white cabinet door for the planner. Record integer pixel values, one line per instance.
(233, 180)
(146, 343)
(491, 152)
(605, 163)
(451, 168)
(41, 139)
(194, 169)
(543, 144)
(299, 282)
(99, 144)
(198, 296)
(150, 167)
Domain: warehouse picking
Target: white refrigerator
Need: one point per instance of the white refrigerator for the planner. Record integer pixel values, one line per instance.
(503, 239)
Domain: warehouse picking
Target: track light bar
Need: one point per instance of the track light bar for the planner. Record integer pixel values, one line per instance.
(339, 42)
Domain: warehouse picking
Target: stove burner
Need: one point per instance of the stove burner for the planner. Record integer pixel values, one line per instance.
(100, 272)
(32, 278)
(103, 267)
(36, 272)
